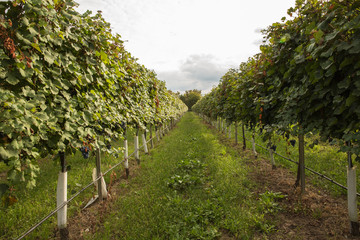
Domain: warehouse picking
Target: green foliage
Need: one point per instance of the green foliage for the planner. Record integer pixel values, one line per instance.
(191, 97)
(268, 202)
(189, 173)
(65, 80)
(304, 79)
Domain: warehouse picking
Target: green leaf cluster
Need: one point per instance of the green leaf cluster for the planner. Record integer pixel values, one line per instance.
(306, 74)
(65, 80)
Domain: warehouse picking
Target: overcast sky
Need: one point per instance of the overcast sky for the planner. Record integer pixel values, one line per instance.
(190, 43)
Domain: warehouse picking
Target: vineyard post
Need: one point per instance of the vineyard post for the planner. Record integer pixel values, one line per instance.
(271, 153)
(219, 123)
(100, 182)
(161, 131)
(236, 132)
(352, 199)
(157, 132)
(145, 133)
(253, 143)
(136, 143)
(244, 140)
(61, 197)
(151, 137)
(126, 160)
(301, 166)
(144, 142)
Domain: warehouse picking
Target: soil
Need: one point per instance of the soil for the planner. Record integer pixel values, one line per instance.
(314, 214)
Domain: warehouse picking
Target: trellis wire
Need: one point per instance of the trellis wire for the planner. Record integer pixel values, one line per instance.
(70, 199)
(311, 170)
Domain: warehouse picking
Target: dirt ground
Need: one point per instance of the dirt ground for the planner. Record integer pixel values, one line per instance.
(313, 215)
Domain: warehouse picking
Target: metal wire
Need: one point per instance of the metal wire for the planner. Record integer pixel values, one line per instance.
(70, 199)
(309, 169)
(75, 195)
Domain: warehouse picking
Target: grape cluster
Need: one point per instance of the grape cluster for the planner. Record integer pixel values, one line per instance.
(85, 151)
(273, 147)
(292, 142)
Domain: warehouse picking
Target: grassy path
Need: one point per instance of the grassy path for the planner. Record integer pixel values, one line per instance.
(190, 187)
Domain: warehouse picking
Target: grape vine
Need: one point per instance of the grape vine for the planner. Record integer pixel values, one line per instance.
(66, 78)
(305, 78)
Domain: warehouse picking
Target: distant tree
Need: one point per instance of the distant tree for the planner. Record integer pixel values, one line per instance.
(190, 97)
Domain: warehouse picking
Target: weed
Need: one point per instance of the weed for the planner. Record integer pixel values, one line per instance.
(268, 202)
(181, 182)
(317, 213)
(198, 191)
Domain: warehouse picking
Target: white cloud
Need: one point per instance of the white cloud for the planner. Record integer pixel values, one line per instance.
(162, 33)
(203, 67)
(200, 72)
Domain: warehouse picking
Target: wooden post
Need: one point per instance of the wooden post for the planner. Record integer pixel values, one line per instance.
(151, 137)
(98, 174)
(61, 197)
(136, 143)
(271, 153)
(157, 133)
(351, 194)
(126, 154)
(236, 133)
(144, 143)
(161, 131)
(253, 143)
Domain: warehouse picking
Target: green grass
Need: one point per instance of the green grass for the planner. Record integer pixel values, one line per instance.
(323, 158)
(34, 204)
(191, 187)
